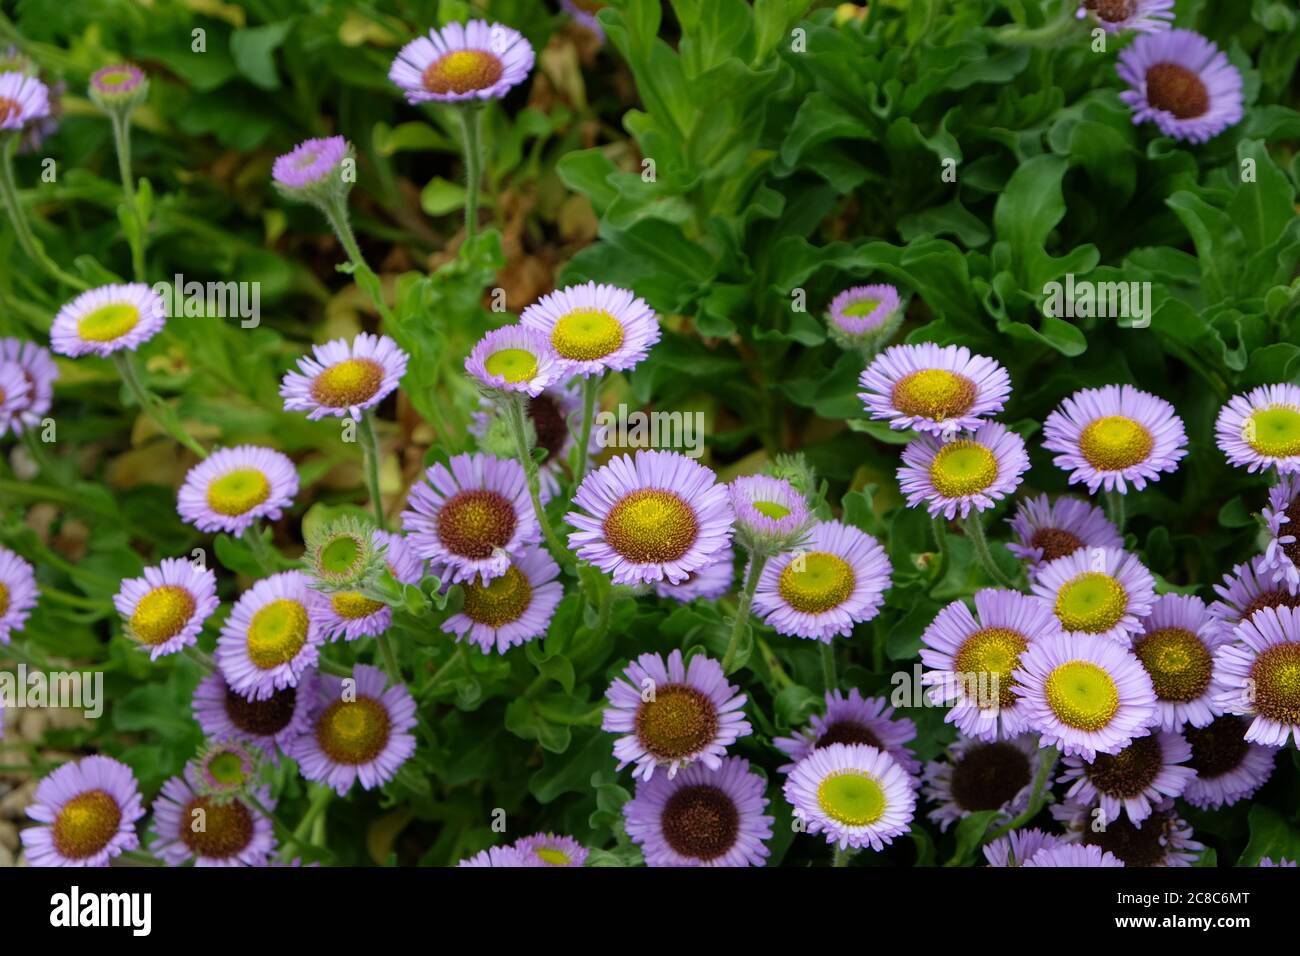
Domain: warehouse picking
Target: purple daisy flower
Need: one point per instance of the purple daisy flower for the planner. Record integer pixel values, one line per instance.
(704, 816)
(108, 319)
(474, 61)
(233, 487)
(515, 358)
(1182, 82)
(981, 775)
(1073, 855)
(364, 734)
(658, 515)
(1140, 16)
(1228, 767)
(969, 660)
(824, 591)
(671, 714)
(853, 719)
(1099, 592)
(14, 391)
(1262, 429)
(165, 610)
(866, 311)
(269, 724)
(310, 162)
(857, 795)
(707, 584)
(972, 472)
(1176, 648)
(511, 609)
(941, 390)
(1282, 516)
(350, 614)
(1261, 675)
(1083, 695)
(1246, 589)
(1114, 436)
(1018, 846)
(494, 856)
(547, 849)
(584, 13)
(1134, 779)
(39, 372)
(594, 327)
(17, 593)
(87, 810)
(550, 413)
(272, 636)
(1162, 839)
(23, 99)
(342, 378)
(469, 516)
(233, 832)
(771, 514)
(1046, 530)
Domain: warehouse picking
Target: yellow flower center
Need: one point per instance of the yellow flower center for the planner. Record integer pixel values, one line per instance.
(1093, 602)
(586, 334)
(513, 365)
(351, 382)
(852, 797)
(816, 582)
(499, 602)
(277, 633)
(679, 722)
(992, 653)
(238, 492)
(353, 732)
(1177, 662)
(934, 393)
(462, 71)
(963, 468)
(1276, 676)
(1274, 432)
(352, 606)
(161, 614)
(108, 322)
(1082, 695)
(1115, 442)
(651, 527)
(4, 599)
(86, 824)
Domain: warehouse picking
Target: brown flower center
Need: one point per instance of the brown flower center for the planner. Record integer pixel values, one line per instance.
(679, 722)
(989, 775)
(1055, 542)
(86, 824)
(473, 524)
(1177, 90)
(261, 718)
(1129, 772)
(462, 71)
(700, 822)
(216, 830)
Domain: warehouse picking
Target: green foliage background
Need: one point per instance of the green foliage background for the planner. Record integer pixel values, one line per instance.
(777, 174)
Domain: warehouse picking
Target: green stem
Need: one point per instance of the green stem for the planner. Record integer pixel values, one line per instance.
(370, 451)
(778, 672)
(336, 213)
(319, 801)
(590, 391)
(756, 564)
(519, 431)
(26, 238)
(282, 832)
(939, 527)
(842, 856)
(75, 600)
(263, 553)
(204, 662)
(975, 533)
(390, 658)
(470, 120)
(1037, 796)
(1115, 501)
(829, 679)
(152, 405)
(122, 143)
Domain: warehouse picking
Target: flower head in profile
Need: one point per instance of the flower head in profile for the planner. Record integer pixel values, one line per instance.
(549, 849)
(1282, 517)
(119, 87)
(594, 328)
(460, 62)
(853, 719)
(352, 611)
(865, 317)
(17, 593)
(771, 515)
(27, 376)
(108, 319)
(1183, 83)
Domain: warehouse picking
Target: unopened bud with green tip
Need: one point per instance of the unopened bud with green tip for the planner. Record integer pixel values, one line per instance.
(225, 771)
(318, 171)
(119, 88)
(343, 555)
(771, 514)
(865, 318)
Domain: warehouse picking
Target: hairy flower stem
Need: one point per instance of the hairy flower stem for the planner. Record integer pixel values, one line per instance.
(262, 553)
(515, 419)
(590, 391)
(975, 533)
(1115, 503)
(470, 124)
(830, 680)
(26, 238)
(389, 657)
(843, 855)
(336, 213)
(370, 451)
(152, 405)
(122, 143)
(319, 801)
(757, 562)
